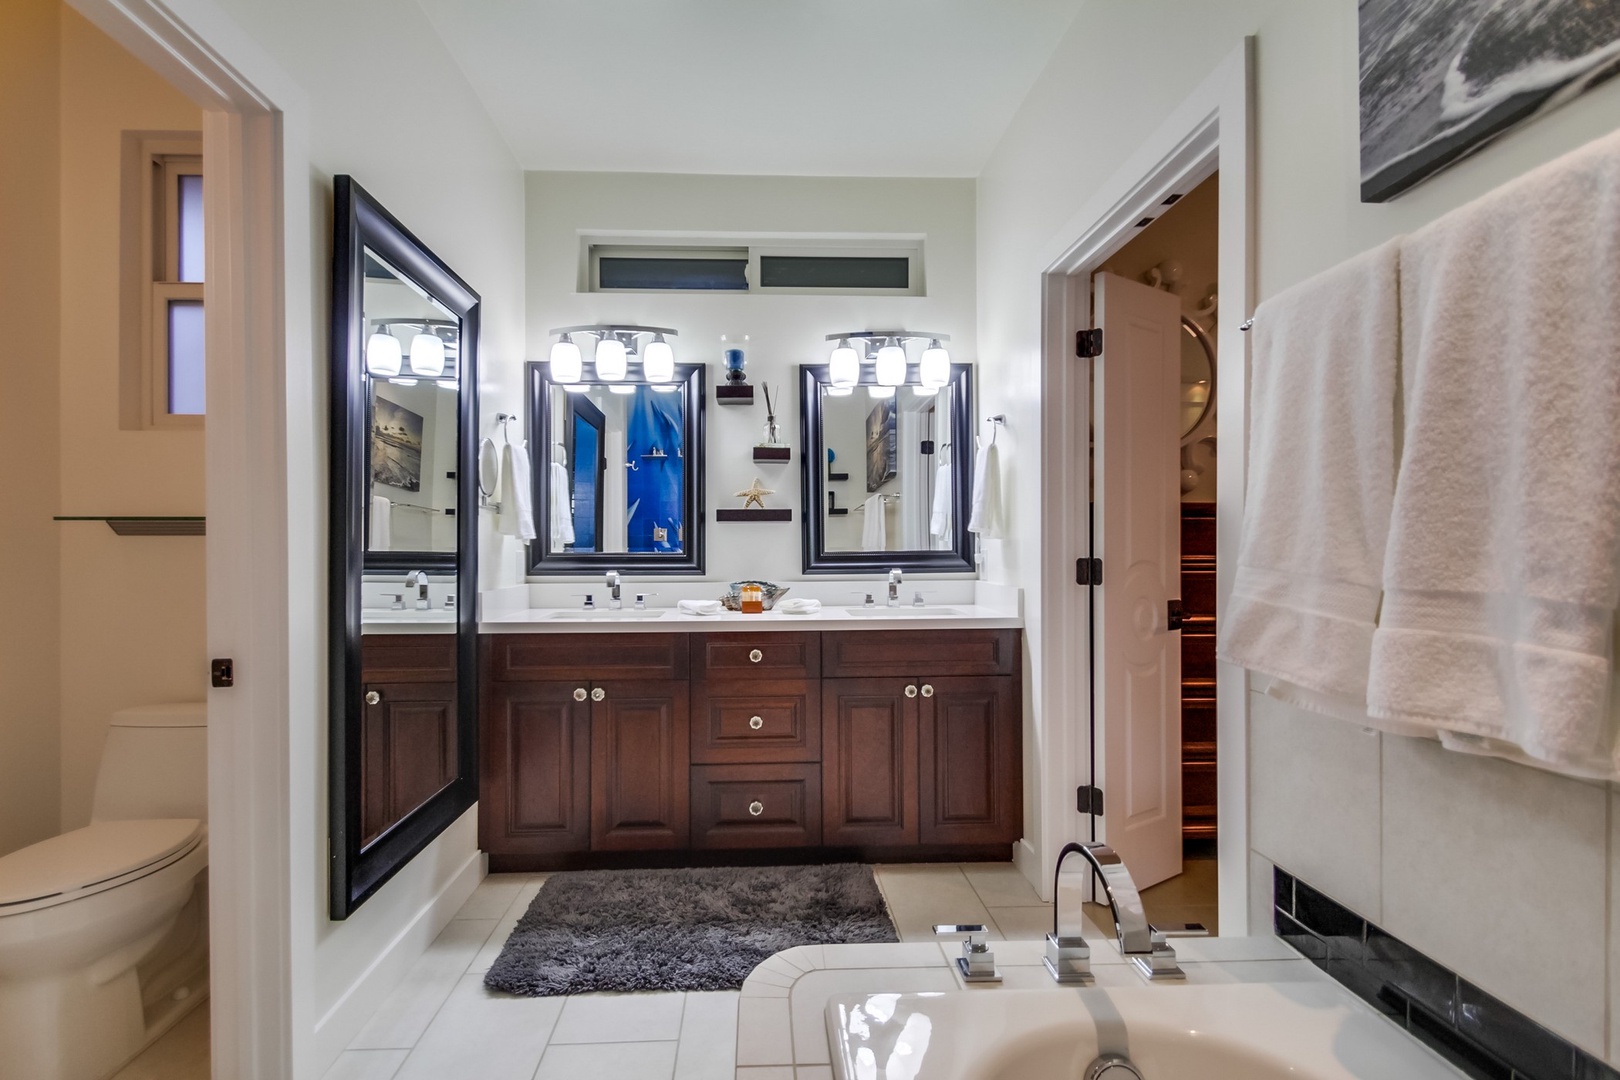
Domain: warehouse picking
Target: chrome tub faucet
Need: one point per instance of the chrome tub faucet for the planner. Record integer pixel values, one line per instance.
(1067, 954)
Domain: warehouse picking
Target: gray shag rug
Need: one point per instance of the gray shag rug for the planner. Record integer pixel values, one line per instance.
(697, 929)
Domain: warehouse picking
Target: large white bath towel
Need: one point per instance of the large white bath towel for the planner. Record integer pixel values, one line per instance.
(1501, 578)
(1322, 460)
(939, 518)
(517, 497)
(561, 509)
(382, 524)
(984, 511)
(874, 529)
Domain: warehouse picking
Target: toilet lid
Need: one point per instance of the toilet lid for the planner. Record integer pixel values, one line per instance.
(91, 859)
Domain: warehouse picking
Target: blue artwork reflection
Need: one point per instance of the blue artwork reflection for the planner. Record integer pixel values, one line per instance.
(656, 467)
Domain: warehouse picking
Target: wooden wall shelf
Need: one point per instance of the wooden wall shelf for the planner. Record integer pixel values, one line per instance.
(773, 453)
(147, 526)
(734, 395)
(754, 515)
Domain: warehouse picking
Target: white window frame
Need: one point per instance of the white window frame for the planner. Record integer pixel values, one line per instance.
(593, 248)
(153, 164)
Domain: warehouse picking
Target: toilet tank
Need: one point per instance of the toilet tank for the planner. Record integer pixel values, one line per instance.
(154, 764)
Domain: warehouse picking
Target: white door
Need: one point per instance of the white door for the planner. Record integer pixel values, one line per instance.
(1138, 537)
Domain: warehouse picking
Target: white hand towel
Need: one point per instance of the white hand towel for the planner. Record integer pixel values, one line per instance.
(984, 516)
(517, 505)
(1501, 579)
(939, 521)
(798, 605)
(700, 607)
(562, 508)
(1321, 478)
(874, 530)
(382, 524)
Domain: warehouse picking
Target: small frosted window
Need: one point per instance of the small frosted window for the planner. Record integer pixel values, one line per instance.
(191, 228)
(186, 366)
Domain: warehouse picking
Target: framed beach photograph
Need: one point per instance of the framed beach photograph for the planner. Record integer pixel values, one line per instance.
(1441, 79)
(882, 444)
(396, 445)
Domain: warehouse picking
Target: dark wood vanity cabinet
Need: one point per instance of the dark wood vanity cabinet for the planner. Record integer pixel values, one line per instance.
(407, 727)
(750, 742)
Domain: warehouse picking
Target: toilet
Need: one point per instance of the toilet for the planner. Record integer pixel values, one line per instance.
(104, 930)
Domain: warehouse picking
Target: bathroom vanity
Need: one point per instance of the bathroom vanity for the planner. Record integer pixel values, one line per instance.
(677, 741)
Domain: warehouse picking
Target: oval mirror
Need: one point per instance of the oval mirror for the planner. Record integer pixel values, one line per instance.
(1197, 379)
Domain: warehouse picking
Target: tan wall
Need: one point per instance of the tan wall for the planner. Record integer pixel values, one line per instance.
(132, 618)
(29, 757)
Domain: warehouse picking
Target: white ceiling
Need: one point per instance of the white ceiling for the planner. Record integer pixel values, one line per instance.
(779, 87)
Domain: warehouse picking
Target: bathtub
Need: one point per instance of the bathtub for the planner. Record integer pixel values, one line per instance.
(1297, 1031)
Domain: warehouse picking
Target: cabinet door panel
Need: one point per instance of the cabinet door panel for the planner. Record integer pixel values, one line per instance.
(970, 789)
(869, 762)
(756, 722)
(535, 794)
(409, 739)
(753, 806)
(640, 752)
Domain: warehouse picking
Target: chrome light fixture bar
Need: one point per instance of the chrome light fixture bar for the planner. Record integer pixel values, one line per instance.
(616, 346)
(885, 353)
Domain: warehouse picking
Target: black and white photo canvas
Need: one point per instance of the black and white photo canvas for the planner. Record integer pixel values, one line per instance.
(1442, 78)
(396, 445)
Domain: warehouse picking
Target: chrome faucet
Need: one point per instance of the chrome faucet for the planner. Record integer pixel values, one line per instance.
(1067, 955)
(895, 578)
(615, 600)
(419, 578)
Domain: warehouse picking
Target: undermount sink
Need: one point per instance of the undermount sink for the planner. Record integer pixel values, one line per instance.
(903, 612)
(627, 615)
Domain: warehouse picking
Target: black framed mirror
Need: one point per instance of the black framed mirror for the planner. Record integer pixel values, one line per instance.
(617, 470)
(403, 567)
(886, 472)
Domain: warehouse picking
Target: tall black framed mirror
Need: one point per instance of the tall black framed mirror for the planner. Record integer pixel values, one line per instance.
(403, 567)
(886, 472)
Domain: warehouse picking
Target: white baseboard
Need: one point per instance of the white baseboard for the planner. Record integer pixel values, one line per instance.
(1028, 862)
(337, 1029)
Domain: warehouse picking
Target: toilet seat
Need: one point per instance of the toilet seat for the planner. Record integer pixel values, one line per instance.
(93, 859)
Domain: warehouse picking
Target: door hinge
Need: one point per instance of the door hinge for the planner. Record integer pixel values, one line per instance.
(1175, 615)
(223, 672)
(1088, 343)
(1088, 571)
(1089, 800)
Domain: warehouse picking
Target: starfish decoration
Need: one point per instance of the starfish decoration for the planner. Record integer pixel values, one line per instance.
(755, 494)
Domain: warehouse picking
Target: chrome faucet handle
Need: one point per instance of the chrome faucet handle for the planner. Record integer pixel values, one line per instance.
(917, 599)
(868, 602)
(641, 600)
(590, 600)
(1159, 963)
(977, 964)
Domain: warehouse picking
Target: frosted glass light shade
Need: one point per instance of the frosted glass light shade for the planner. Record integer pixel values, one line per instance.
(383, 355)
(880, 391)
(566, 365)
(935, 366)
(891, 365)
(427, 355)
(844, 368)
(611, 364)
(622, 388)
(658, 361)
(840, 391)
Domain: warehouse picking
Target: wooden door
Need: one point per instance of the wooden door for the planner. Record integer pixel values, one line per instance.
(408, 755)
(970, 764)
(869, 762)
(640, 756)
(536, 748)
(1138, 516)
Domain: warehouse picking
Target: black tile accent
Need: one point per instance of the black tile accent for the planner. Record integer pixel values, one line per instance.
(1481, 1035)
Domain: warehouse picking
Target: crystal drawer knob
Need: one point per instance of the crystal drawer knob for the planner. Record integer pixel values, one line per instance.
(756, 808)
(755, 656)
(598, 694)
(911, 691)
(581, 694)
(928, 690)
(756, 722)
(372, 697)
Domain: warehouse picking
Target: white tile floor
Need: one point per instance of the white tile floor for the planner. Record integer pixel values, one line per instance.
(441, 1021)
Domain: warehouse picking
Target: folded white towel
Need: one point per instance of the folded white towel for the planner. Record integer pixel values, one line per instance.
(798, 605)
(984, 516)
(562, 508)
(1502, 579)
(517, 497)
(700, 607)
(382, 524)
(939, 520)
(874, 530)
(1321, 478)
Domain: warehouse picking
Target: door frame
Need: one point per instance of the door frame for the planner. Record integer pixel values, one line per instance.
(1211, 130)
(264, 568)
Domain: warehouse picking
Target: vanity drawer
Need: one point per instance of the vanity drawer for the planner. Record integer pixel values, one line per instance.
(756, 806)
(757, 656)
(408, 657)
(745, 721)
(550, 657)
(857, 653)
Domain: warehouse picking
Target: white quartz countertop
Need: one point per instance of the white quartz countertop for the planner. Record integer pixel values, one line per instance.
(409, 621)
(664, 620)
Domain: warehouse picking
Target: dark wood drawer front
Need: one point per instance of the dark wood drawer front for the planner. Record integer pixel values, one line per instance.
(919, 652)
(1198, 591)
(745, 722)
(534, 657)
(755, 806)
(395, 658)
(757, 656)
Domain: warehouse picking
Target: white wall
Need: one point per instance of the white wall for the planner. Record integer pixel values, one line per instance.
(1501, 872)
(465, 201)
(30, 286)
(785, 331)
